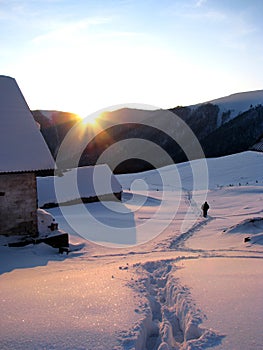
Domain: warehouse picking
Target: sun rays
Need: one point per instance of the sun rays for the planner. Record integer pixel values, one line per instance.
(91, 119)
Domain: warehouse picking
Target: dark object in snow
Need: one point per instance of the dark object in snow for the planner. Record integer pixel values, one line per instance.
(56, 241)
(205, 208)
(22, 243)
(247, 239)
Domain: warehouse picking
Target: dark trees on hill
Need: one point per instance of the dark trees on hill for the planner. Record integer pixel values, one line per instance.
(236, 135)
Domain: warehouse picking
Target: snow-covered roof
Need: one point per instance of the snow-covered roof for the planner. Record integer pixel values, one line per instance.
(22, 146)
(85, 182)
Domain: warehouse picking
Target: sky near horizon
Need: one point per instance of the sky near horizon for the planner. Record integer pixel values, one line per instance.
(83, 56)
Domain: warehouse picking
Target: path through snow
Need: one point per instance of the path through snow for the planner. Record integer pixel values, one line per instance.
(194, 286)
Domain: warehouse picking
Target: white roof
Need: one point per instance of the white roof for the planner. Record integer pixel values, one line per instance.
(85, 182)
(22, 146)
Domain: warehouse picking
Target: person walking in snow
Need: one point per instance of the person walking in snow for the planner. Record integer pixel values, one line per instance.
(205, 208)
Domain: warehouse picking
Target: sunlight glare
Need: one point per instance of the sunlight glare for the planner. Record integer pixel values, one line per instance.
(89, 119)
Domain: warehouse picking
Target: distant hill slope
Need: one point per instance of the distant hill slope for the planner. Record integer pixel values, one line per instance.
(239, 134)
(238, 103)
(233, 105)
(223, 126)
(54, 126)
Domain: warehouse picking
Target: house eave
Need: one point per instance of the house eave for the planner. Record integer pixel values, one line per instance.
(37, 172)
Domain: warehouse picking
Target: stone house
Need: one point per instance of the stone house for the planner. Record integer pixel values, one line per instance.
(23, 156)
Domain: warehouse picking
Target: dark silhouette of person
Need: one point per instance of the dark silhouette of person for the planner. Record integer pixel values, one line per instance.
(205, 208)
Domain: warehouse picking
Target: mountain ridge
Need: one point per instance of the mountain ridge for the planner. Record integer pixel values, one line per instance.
(233, 124)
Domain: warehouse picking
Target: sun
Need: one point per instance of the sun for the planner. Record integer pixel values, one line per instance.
(89, 119)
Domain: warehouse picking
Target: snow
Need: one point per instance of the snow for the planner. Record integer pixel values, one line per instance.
(235, 103)
(233, 170)
(195, 285)
(45, 220)
(55, 304)
(22, 146)
(239, 102)
(231, 288)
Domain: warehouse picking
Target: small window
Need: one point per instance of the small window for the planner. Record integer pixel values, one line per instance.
(2, 194)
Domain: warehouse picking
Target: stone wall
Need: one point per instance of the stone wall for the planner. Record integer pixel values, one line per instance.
(18, 204)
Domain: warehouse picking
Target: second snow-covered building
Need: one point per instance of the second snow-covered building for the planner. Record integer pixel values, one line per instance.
(86, 184)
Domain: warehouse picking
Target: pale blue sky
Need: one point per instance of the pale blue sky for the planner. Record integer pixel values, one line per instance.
(81, 56)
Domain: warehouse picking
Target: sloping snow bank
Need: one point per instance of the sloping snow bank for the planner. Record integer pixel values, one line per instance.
(232, 170)
(251, 228)
(251, 225)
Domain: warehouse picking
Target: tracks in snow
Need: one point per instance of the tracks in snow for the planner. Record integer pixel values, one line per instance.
(174, 319)
(179, 241)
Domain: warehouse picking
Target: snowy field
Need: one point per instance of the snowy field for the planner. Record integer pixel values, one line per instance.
(176, 281)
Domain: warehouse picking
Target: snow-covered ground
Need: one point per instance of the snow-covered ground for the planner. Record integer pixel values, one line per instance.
(177, 280)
